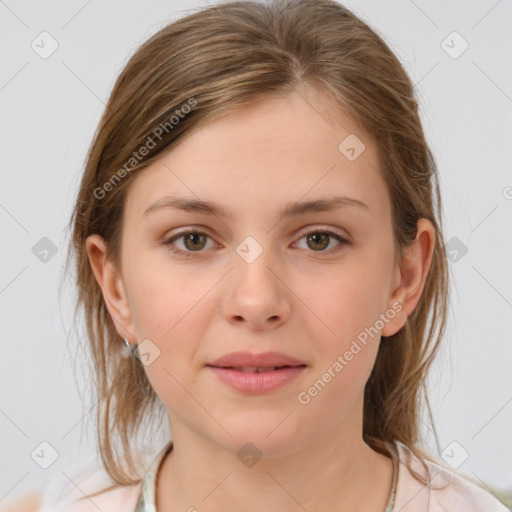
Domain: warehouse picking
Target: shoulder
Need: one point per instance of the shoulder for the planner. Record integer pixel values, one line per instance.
(28, 503)
(89, 490)
(442, 490)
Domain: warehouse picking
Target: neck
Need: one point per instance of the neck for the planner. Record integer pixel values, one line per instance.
(200, 473)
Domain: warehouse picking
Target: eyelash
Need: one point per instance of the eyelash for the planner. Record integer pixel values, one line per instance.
(188, 254)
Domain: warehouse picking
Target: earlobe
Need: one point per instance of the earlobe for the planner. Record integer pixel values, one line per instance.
(411, 276)
(109, 279)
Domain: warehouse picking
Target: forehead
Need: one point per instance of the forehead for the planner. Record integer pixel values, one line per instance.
(277, 150)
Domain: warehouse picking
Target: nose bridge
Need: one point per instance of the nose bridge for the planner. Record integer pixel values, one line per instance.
(254, 261)
(250, 249)
(257, 293)
(257, 246)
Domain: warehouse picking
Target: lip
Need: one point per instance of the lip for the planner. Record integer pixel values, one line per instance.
(228, 369)
(248, 359)
(257, 383)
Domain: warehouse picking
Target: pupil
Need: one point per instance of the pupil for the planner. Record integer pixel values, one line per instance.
(192, 237)
(314, 236)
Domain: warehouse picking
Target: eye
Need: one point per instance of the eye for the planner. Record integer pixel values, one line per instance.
(193, 240)
(318, 240)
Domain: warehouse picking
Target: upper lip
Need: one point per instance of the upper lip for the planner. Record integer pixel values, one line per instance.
(263, 360)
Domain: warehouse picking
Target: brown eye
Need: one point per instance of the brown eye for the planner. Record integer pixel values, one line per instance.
(318, 240)
(193, 241)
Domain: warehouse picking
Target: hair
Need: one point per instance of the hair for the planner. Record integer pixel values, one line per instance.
(204, 66)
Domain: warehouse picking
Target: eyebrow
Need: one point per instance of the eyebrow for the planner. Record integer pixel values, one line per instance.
(292, 209)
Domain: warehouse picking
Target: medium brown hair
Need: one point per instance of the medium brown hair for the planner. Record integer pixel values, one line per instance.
(216, 60)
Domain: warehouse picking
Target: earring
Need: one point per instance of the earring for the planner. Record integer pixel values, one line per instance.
(130, 348)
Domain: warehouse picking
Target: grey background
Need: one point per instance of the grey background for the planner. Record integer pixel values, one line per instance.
(49, 111)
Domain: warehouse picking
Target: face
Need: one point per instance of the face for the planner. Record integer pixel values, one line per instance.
(318, 284)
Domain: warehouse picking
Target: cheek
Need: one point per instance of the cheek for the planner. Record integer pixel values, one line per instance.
(350, 302)
(345, 345)
(170, 309)
(347, 318)
(163, 296)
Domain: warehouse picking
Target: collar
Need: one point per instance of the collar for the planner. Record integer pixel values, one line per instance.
(146, 501)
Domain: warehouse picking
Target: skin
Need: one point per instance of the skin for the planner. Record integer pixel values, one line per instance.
(297, 297)
(27, 503)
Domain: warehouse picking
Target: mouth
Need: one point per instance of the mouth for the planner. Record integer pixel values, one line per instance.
(256, 369)
(257, 380)
(256, 373)
(254, 362)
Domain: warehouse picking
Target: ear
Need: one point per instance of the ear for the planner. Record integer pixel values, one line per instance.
(410, 276)
(110, 281)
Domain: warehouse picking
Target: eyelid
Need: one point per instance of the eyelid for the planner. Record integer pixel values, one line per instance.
(202, 230)
(205, 231)
(324, 228)
(169, 239)
(343, 239)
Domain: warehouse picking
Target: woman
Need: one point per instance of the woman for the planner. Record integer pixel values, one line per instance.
(258, 248)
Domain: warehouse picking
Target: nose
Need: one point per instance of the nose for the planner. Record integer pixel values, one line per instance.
(257, 294)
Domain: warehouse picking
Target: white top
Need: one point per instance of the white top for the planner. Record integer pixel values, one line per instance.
(459, 495)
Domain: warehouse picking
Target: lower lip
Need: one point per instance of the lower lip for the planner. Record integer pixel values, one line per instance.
(257, 383)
